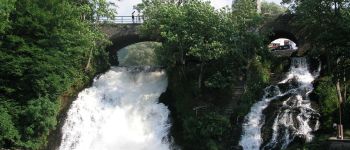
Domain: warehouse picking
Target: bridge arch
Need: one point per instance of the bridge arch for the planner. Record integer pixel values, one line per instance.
(122, 35)
(282, 27)
(283, 34)
(119, 42)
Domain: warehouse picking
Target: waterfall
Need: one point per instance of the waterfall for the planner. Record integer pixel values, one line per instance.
(295, 117)
(119, 112)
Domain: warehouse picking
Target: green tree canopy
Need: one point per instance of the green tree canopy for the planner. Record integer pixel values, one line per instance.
(44, 48)
(271, 8)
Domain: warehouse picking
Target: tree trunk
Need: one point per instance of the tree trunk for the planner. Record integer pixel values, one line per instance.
(344, 81)
(182, 61)
(340, 99)
(329, 65)
(88, 64)
(200, 76)
(182, 55)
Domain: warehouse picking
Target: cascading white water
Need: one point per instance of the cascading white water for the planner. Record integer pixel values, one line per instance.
(294, 118)
(119, 112)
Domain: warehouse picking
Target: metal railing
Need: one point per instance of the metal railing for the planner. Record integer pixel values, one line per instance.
(124, 20)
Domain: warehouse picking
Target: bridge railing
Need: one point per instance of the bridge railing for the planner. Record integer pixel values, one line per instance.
(124, 20)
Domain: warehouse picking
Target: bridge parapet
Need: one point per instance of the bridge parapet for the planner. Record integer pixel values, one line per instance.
(124, 20)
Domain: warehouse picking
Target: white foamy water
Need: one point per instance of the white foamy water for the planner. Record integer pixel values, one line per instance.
(251, 138)
(295, 117)
(119, 112)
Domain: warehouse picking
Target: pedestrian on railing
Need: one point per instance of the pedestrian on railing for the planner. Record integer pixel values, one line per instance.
(133, 17)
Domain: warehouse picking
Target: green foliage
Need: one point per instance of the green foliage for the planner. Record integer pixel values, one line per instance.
(247, 43)
(44, 48)
(258, 77)
(207, 131)
(244, 9)
(39, 118)
(328, 101)
(139, 54)
(218, 80)
(101, 8)
(6, 6)
(272, 9)
(258, 72)
(9, 133)
(193, 30)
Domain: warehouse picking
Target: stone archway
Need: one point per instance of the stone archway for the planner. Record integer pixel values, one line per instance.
(121, 36)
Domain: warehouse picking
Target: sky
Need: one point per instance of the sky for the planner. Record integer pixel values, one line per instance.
(125, 7)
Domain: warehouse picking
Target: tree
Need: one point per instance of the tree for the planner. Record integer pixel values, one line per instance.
(190, 31)
(271, 8)
(9, 133)
(328, 101)
(39, 118)
(196, 32)
(44, 48)
(6, 6)
(101, 8)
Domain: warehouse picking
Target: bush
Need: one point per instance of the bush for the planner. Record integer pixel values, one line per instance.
(328, 101)
(9, 133)
(45, 49)
(258, 77)
(38, 119)
(207, 130)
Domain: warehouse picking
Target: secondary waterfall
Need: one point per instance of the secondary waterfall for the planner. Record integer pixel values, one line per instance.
(119, 112)
(295, 117)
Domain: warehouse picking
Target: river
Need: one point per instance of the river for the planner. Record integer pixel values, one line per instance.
(295, 116)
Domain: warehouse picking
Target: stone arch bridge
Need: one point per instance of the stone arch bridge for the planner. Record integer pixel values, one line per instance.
(121, 36)
(124, 34)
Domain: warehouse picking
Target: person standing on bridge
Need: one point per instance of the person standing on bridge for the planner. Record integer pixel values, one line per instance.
(133, 17)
